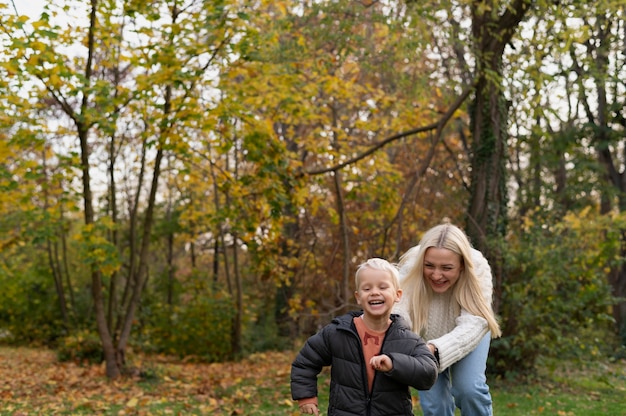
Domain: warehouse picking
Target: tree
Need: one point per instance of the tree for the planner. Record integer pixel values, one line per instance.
(492, 30)
(336, 83)
(576, 117)
(139, 91)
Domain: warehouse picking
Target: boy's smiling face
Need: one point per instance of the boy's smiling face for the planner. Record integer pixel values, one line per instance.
(377, 293)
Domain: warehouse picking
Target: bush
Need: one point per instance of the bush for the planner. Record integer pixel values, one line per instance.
(83, 347)
(28, 309)
(201, 328)
(555, 291)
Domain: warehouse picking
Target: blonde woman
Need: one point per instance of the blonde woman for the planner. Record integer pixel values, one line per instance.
(447, 299)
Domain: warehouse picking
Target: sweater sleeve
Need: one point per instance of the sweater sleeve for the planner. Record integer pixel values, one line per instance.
(462, 340)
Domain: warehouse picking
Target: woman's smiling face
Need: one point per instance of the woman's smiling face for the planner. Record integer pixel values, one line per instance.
(442, 268)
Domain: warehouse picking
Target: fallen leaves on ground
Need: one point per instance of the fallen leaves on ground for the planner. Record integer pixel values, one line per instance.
(32, 381)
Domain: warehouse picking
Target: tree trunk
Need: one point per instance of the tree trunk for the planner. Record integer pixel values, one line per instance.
(345, 239)
(82, 127)
(65, 269)
(486, 220)
(487, 216)
(112, 369)
(171, 272)
(58, 282)
(140, 276)
(112, 305)
(238, 318)
(53, 260)
(286, 289)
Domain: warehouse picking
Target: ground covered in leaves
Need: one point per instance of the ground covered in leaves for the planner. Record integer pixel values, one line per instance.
(33, 382)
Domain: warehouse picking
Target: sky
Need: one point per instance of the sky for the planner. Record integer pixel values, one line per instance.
(32, 8)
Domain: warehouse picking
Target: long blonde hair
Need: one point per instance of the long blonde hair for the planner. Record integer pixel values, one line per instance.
(467, 291)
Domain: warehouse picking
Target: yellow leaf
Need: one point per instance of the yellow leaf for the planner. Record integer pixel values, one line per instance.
(40, 23)
(132, 402)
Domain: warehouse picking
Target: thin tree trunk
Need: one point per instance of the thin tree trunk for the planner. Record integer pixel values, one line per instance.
(114, 234)
(345, 240)
(112, 369)
(170, 258)
(58, 282)
(53, 258)
(132, 239)
(140, 276)
(288, 250)
(346, 293)
(237, 321)
(238, 295)
(216, 260)
(65, 268)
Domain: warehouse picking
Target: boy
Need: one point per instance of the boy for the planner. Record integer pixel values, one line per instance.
(374, 356)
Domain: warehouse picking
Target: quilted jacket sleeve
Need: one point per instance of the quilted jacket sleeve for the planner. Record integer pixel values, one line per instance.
(309, 362)
(416, 367)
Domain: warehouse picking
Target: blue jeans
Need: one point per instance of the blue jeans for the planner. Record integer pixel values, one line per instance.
(463, 384)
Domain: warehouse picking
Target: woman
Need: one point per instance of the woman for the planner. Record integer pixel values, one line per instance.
(447, 299)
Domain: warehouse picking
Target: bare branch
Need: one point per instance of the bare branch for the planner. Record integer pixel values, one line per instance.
(438, 125)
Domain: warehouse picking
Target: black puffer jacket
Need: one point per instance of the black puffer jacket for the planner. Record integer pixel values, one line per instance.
(338, 345)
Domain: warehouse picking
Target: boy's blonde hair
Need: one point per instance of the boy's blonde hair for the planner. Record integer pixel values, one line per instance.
(376, 263)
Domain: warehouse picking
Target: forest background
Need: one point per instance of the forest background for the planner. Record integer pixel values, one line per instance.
(201, 178)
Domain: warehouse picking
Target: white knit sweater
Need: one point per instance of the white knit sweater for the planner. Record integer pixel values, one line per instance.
(453, 330)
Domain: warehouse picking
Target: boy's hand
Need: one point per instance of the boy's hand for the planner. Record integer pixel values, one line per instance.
(310, 409)
(381, 363)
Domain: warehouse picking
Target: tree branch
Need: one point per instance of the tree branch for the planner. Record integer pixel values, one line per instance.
(438, 125)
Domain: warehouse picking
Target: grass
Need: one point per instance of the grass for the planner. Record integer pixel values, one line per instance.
(33, 382)
(559, 388)
(566, 389)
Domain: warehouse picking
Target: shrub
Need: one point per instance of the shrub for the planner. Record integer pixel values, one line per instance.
(81, 347)
(29, 310)
(200, 328)
(555, 290)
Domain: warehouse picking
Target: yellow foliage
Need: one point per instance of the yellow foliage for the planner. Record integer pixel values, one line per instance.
(38, 24)
(38, 46)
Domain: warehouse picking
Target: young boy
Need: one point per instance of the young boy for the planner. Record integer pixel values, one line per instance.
(374, 356)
